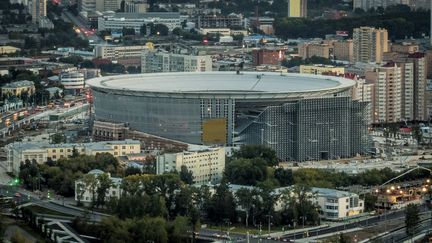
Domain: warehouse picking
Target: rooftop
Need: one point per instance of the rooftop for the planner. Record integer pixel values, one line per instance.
(169, 15)
(17, 84)
(222, 82)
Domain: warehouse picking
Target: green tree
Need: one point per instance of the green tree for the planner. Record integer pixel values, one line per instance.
(179, 229)
(222, 205)
(104, 184)
(160, 29)
(58, 138)
(244, 196)
(186, 175)
(91, 183)
(257, 151)
(284, 176)
(246, 171)
(412, 218)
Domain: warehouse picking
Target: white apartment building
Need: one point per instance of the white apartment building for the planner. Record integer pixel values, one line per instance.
(336, 205)
(19, 152)
(87, 194)
(369, 44)
(117, 52)
(387, 99)
(207, 166)
(118, 21)
(152, 62)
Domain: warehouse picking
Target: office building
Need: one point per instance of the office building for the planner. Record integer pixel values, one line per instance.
(38, 10)
(19, 152)
(72, 81)
(368, 4)
(267, 56)
(343, 50)
(112, 52)
(118, 21)
(84, 193)
(318, 69)
(109, 131)
(87, 5)
(369, 44)
(387, 100)
(301, 116)
(18, 87)
(297, 8)
(136, 7)
(207, 166)
(219, 21)
(153, 62)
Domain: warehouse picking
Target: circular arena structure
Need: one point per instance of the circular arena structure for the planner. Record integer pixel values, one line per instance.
(292, 113)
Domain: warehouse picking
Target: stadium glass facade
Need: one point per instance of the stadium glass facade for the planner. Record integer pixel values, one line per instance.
(308, 125)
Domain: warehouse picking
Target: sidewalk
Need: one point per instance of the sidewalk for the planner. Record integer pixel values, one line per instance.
(287, 232)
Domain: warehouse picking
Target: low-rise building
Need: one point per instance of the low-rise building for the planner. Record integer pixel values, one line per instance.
(207, 166)
(267, 56)
(18, 153)
(322, 70)
(333, 204)
(308, 50)
(336, 205)
(8, 50)
(344, 50)
(118, 21)
(18, 87)
(84, 193)
(153, 62)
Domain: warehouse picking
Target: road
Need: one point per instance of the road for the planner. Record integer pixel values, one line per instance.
(51, 204)
(400, 235)
(84, 32)
(361, 223)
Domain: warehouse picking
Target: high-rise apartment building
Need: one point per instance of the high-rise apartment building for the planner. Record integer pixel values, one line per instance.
(387, 99)
(369, 44)
(38, 10)
(414, 81)
(364, 92)
(153, 62)
(297, 8)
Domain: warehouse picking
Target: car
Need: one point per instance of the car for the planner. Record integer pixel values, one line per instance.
(17, 194)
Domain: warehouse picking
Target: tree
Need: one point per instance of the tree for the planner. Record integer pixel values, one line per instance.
(179, 229)
(257, 151)
(246, 171)
(160, 29)
(58, 138)
(186, 175)
(222, 205)
(90, 182)
(128, 31)
(284, 176)
(244, 196)
(80, 190)
(412, 218)
(104, 184)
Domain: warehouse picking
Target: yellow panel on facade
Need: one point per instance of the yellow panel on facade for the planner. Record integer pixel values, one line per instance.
(214, 131)
(295, 8)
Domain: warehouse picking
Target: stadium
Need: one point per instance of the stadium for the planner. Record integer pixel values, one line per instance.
(302, 117)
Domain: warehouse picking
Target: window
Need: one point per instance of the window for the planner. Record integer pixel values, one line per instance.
(61, 150)
(123, 147)
(53, 150)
